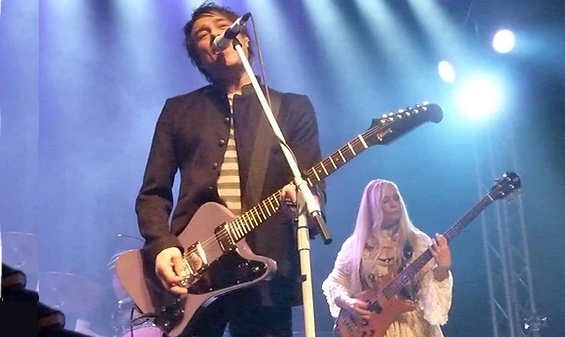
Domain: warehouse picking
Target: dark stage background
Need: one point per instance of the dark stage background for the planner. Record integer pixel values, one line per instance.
(82, 83)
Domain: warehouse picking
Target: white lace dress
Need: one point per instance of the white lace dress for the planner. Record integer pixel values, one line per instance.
(433, 298)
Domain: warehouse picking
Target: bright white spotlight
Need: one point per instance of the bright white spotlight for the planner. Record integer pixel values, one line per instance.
(446, 71)
(503, 41)
(479, 97)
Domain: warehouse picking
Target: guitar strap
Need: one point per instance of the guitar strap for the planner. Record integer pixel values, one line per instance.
(260, 155)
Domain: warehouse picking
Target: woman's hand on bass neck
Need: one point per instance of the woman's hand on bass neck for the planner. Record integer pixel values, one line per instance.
(442, 254)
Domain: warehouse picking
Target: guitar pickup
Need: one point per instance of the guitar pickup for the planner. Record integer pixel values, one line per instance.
(195, 260)
(224, 238)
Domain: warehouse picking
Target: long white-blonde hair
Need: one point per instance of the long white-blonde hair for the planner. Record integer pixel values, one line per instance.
(368, 226)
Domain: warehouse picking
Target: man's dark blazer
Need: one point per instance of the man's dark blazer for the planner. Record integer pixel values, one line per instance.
(191, 135)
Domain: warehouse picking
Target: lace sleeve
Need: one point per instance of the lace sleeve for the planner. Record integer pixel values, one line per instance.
(337, 283)
(434, 296)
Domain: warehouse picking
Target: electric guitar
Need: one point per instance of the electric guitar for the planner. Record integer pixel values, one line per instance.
(384, 300)
(216, 256)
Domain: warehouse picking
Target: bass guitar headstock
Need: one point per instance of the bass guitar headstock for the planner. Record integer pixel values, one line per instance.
(505, 185)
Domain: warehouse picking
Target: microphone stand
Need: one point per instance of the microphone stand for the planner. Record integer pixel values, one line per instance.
(304, 198)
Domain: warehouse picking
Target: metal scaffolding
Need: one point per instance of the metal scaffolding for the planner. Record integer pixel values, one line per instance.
(512, 301)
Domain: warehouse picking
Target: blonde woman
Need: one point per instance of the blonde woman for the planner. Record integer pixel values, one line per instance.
(385, 240)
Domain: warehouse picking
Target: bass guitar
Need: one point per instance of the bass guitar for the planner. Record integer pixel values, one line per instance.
(384, 299)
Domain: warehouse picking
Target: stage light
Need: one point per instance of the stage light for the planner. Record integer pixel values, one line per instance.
(479, 97)
(503, 41)
(446, 71)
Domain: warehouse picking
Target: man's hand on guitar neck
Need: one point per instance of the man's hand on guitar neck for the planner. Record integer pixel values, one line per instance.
(358, 308)
(288, 200)
(170, 270)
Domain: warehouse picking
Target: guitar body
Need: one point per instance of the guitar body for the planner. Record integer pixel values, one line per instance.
(236, 269)
(382, 316)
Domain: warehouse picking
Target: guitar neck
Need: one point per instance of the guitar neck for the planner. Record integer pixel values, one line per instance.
(337, 159)
(251, 219)
(408, 274)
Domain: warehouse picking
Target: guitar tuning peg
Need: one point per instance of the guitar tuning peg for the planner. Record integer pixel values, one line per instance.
(510, 200)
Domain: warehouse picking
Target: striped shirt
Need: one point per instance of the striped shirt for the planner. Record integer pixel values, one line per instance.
(228, 182)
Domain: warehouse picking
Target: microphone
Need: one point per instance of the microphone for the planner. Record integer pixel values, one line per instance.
(222, 41)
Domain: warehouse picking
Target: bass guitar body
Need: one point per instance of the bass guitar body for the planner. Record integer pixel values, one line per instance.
(384, 312)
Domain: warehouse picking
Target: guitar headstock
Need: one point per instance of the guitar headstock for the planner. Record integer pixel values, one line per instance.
(508, 183)
(395, 124)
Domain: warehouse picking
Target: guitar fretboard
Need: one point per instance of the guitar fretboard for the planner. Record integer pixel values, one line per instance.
(251, 219)
(408, 274)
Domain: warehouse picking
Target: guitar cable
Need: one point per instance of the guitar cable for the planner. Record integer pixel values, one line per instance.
(135, 321)
(131, 322)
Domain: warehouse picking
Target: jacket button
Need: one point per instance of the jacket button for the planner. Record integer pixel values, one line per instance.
(222, 142)
(227, 121)
(214, 166)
